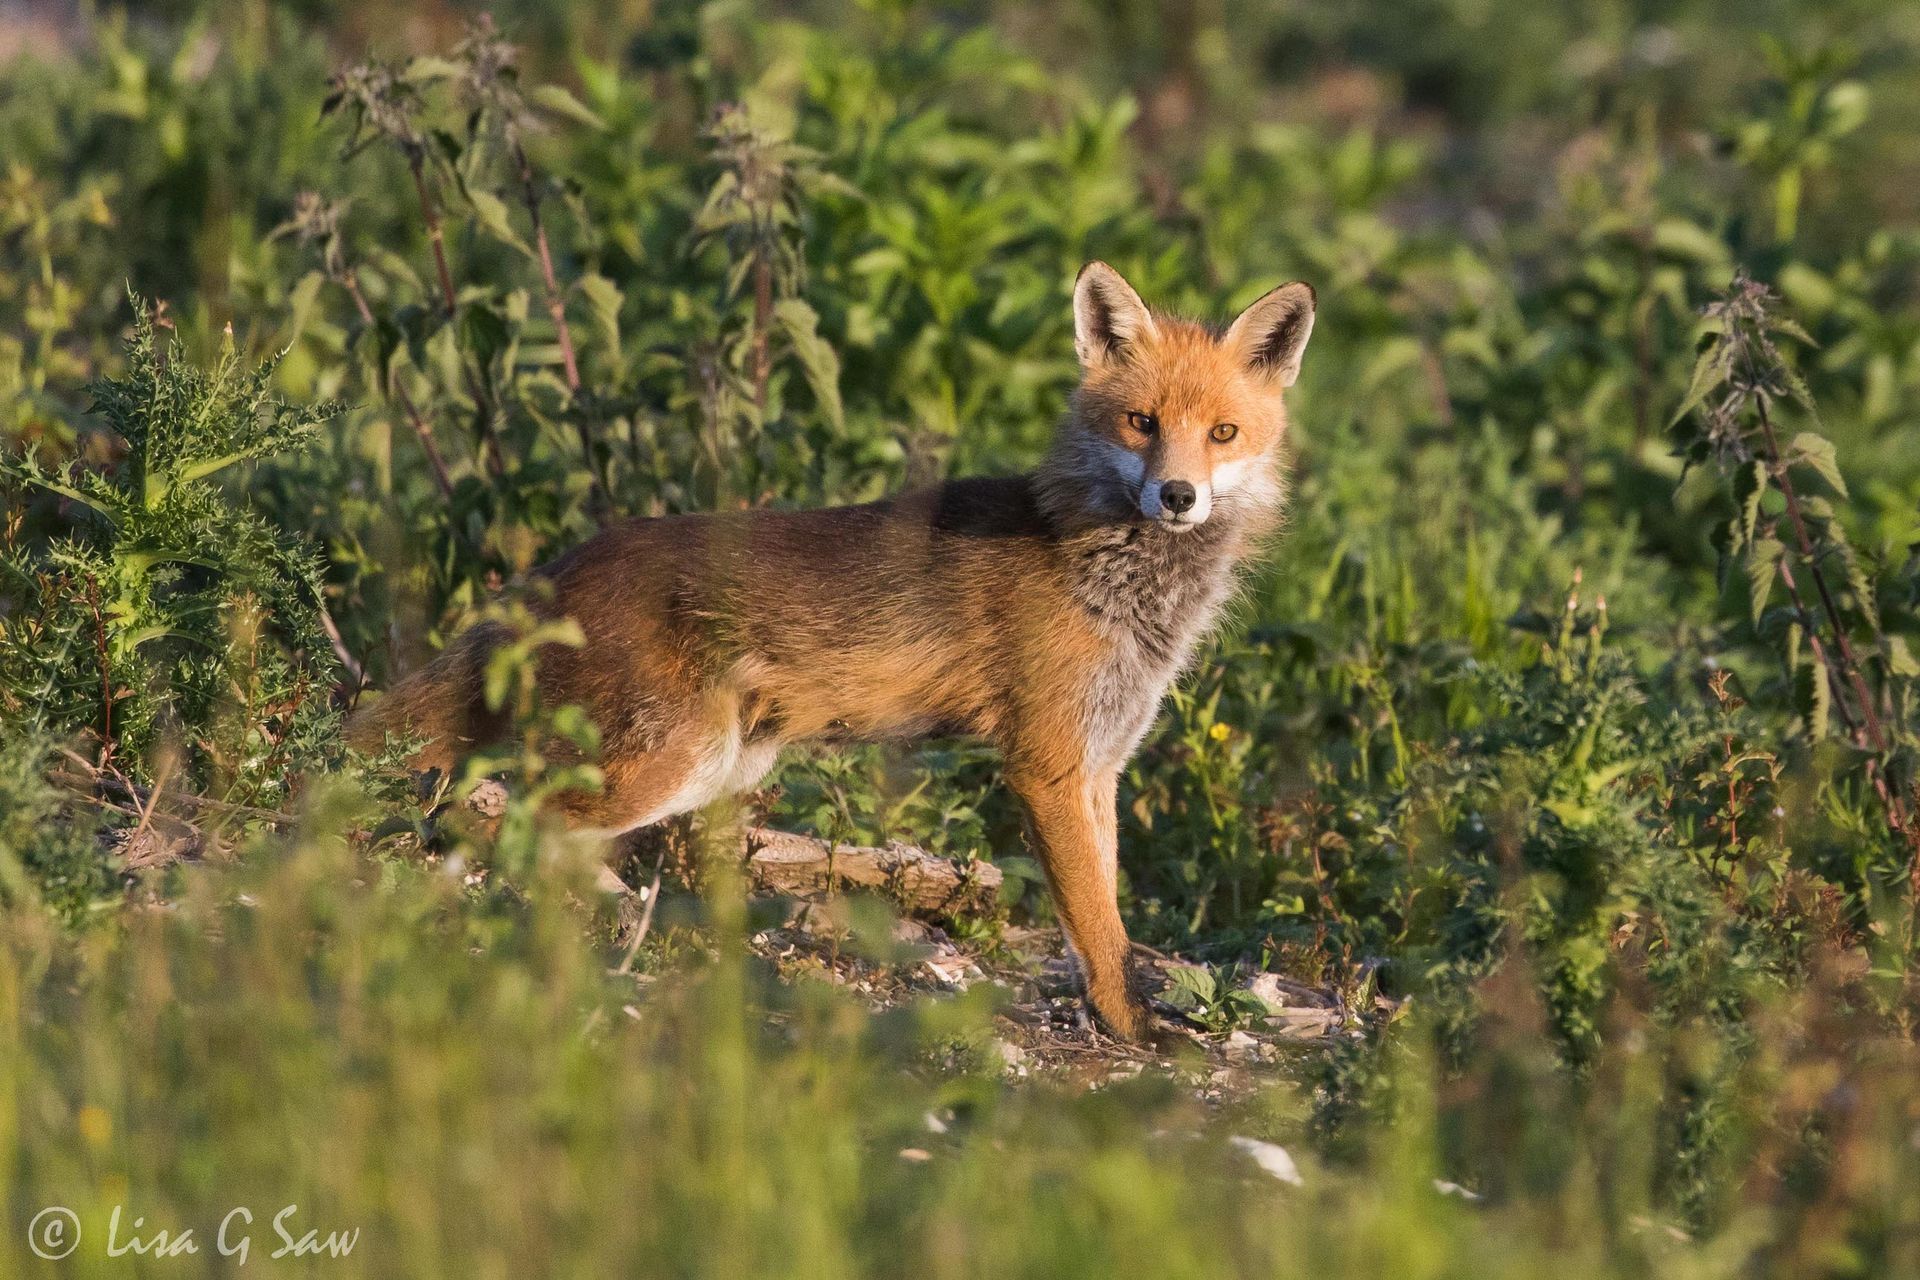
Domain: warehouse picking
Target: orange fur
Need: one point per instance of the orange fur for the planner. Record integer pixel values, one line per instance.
(1046, 614)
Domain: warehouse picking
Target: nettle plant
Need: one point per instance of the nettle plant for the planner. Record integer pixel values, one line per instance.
(167, 631)
(1830, 612)
(753, 215)
(542, 395)
(442, 348)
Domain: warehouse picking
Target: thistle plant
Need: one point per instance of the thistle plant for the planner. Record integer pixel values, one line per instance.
(166, 630)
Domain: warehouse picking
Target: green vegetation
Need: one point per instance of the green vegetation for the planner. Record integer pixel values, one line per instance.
(1574, 712)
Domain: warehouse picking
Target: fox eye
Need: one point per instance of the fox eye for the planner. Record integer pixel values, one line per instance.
(1147, 424)
(1224, 432)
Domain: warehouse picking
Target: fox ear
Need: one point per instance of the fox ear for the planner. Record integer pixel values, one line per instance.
(1271, 335)
(1108, 316)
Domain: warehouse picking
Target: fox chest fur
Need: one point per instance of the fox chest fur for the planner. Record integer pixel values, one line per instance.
(1153, 595)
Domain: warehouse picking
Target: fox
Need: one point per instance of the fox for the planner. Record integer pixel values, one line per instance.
(1046, 614)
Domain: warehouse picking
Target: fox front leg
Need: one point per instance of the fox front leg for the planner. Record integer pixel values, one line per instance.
(1074, 833)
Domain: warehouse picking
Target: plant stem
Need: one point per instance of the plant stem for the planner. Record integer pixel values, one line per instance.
(1867, 733)
(492, 449)
(436, 234)
(1642, 363)
(555, 307)
(1812, 627)
(1870, 718)
(1435, 372)
(106, 671)
(340, 650)
(762, 322)
(422, 432)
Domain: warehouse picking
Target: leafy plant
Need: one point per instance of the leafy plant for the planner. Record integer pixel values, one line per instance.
(1213, 997)
(1838, 647)
(50, 851)
(174, 631)
(755, 209)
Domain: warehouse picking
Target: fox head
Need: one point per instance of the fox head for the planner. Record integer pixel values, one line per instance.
(1175, 423)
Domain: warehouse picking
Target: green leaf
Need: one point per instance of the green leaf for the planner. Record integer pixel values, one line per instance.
(427, 68)
(1817, 698)
(1806, 289)
(1763, 564)
(604, 298)
(1817, 451)
(1900, 659)
(1707, 375)
(1781, 324)
(816, 355)
(1847, 106)
(300, 305)
(483, 332)
(189, 472)
(502, 665)
(1681, 238)
(1866, 599)
(570, 721)
(1798, 389)
(491, 212)
(558, 101)
(1749, 487)
(1193, 982)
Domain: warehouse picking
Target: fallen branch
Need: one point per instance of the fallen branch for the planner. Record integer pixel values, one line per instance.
(919, 882)
(782, 862)
(800, 866)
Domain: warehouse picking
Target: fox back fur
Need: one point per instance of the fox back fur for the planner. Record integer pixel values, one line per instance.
(1045, 613)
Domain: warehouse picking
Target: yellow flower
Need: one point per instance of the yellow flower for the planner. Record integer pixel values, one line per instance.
(1220, 732)
(96, 1126)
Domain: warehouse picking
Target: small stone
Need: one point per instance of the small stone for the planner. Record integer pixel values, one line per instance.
(949, 971)
(1277, 993)
(909, 932)
(1272, 1158)
(488, 799)
(1299, 1023)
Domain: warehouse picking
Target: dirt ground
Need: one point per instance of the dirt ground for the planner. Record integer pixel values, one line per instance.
(1042, 1027)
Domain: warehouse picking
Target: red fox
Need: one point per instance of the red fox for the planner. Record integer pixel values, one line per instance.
(1044, 613)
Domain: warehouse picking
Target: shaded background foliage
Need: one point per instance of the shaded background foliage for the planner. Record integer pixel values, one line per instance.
(1575, 701)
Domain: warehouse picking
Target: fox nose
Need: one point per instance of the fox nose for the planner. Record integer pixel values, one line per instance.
(1177, 496)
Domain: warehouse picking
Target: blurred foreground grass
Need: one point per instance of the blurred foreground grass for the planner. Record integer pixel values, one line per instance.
(467, 1082)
